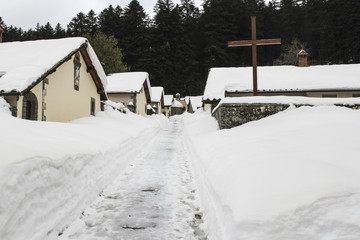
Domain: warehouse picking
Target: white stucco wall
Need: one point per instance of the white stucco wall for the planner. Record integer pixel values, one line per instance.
(207, 106)
(123, 98)
(158, 107)
(62, 102)
(139, 101)
(166, 111)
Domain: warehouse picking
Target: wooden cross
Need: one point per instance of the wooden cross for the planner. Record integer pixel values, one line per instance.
(254, 42)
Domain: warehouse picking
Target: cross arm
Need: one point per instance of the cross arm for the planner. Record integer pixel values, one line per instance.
(256, 42)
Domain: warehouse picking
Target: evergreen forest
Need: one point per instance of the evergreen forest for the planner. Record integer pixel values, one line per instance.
(180, 43)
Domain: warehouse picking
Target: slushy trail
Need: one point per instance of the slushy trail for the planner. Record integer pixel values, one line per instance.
(154, 198)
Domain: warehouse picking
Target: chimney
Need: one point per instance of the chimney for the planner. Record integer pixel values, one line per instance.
(1, 33)
(302, 58)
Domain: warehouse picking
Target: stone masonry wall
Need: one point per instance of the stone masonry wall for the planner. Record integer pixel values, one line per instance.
(230, 115)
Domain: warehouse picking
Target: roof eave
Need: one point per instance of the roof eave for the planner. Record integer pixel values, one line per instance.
(11, 93)
(295, 90)
(129, 92)
(51, 70)
(92, 70)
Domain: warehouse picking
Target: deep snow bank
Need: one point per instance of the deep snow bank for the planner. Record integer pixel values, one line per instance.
(293, 175)
(50, 171)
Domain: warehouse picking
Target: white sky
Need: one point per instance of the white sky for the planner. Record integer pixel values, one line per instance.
(26, 13)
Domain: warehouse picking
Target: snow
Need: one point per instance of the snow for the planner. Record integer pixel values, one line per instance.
(153, 198)
(176, 104)
(282, 78)
(25, 62)
(127, 82)
(156, 94)
(293, 175)
(49, 172)
(168, 100)
(196, 102)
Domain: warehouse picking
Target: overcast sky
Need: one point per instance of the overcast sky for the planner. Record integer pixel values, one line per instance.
(26, 13)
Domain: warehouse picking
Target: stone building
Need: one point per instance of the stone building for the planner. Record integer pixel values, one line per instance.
(51, 80)
(177, 108)
(131, 89)
(324, 81)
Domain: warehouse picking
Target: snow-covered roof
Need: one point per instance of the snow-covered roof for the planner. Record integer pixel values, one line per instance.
(127, 82)
(156, 94)
(168, 100)
(282, 78)
(176, 104)
(196, 102)
(24, 63)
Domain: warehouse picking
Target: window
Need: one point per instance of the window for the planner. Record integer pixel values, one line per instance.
(329, 96)
(356, 95)
(77, 65)
(30, 107)
(92, 106)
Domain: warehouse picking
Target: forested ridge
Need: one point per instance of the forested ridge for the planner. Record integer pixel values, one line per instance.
(181, 42)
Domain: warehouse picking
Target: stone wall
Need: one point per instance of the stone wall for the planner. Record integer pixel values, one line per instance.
(231, 115)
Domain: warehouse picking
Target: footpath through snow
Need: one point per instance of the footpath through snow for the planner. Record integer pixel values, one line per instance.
(49, 172)
(153, 198)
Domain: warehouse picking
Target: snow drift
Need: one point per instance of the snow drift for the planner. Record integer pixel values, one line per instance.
(293, 175)
(49, 172)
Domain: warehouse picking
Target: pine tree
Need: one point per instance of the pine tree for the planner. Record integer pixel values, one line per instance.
(169, 47)
(12, 33)
(107, 51)
(2, 24)
(190, 18)
(59, 31)
(289, 54)
(91, 22)
(78, 25)
(109, 20)
(223, 21)
(135, 39)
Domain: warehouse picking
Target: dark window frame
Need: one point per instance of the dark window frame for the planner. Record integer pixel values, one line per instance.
(77, 66)
(30, 107)
(92, 106)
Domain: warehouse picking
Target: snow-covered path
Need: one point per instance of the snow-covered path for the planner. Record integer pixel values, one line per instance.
(154, 198)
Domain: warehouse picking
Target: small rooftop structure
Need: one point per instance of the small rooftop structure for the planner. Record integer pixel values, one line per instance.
(302, 58)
